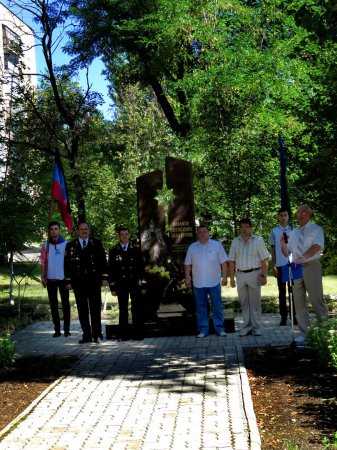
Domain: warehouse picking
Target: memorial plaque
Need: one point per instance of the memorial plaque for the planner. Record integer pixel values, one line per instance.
(181, 218)
(151, 218)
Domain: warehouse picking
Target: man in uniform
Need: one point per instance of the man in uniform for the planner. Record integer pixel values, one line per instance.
(85, 268)
(248, 257)
(125, 277)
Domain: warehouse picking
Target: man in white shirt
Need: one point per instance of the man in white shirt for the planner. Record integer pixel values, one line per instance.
(206, 261)
(248, 257)
(305, 247)
(52, 277)
(279, 260)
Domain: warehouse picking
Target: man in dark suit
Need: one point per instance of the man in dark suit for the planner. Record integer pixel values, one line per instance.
(85, 267)
(125, 278)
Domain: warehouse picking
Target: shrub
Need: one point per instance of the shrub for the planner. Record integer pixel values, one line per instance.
(322, 337)
(7, 351)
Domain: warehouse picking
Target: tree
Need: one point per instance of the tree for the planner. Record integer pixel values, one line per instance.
(233, 69)
(74, 105)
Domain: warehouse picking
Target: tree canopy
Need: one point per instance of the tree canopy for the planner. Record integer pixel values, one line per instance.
(215, 82)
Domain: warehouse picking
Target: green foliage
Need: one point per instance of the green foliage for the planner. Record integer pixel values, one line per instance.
(291, 446)
(322, 336)
(7, 351)
(137, 142)
(213, 82)
(236, 74)
(330, 443)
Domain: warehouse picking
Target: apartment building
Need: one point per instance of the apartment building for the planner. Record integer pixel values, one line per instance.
(17, 49)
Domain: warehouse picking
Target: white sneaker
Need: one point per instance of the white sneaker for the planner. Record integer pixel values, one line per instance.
(201, 335)
(222, 334)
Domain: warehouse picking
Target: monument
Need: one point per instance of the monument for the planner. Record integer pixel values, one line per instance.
(165, 232)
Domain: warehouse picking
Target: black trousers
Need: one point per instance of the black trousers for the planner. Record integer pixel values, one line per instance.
(282, 291)
(52, 287)
(123, 294)
(89, 302)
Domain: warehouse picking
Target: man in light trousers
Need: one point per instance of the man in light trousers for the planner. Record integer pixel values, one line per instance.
(305, 246)
(206, 260)
(248, 258)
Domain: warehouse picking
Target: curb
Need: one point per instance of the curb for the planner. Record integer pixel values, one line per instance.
(8, 428)
(13, 424)
(254, 435)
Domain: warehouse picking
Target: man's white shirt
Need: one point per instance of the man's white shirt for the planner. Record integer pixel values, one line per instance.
(275, 241)
(248, 254)
(83, 242)
(56, 261)
(206, 260)
(312, 234)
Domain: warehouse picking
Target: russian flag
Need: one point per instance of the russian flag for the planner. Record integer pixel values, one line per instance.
(59, 193)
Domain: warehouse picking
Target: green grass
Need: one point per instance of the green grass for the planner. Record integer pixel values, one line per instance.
(31, 290)
(32, 298)
(270, 290)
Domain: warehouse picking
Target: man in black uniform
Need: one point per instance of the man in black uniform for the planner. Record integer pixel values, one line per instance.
(85, 267)
(125, 278)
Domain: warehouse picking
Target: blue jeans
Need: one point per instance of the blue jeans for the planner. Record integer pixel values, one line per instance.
(201, 303)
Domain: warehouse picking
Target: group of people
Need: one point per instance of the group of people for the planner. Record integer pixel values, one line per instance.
(81, 265)
(295, 256)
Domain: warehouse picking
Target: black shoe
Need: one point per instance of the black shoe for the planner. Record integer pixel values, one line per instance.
(67, 334)
(57, 334)
(283, 323)
(96, 340)
(84, 341)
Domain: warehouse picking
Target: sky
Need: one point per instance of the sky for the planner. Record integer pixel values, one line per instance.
(96, 78)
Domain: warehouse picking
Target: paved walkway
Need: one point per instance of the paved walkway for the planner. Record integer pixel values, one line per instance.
(160, 393)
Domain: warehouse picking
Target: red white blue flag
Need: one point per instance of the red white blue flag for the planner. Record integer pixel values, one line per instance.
(59, 193)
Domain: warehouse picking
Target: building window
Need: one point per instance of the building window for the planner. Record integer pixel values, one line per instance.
(10, 38)
(12, 45)
(11, 60)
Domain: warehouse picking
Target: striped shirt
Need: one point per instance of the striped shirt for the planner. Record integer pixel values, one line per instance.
(248, 254)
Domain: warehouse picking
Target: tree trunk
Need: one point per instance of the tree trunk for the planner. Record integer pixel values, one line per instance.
(181, 129)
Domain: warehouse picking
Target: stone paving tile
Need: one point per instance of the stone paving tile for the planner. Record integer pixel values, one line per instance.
(160, 393)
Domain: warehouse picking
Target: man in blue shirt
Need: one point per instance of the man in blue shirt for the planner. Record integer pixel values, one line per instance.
(279, 260)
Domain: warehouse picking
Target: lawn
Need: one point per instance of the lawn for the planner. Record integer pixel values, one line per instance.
(31, 298)
(270, 290)
(31, 288)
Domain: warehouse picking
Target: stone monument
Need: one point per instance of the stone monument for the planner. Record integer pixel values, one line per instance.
(164, 242)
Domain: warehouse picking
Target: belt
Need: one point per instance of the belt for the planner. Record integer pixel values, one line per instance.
(249, 270)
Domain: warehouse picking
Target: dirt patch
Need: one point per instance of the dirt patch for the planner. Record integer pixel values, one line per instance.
(25, 381)
(295, 400)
